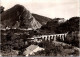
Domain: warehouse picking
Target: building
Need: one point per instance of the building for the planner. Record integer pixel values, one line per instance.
(32, 49)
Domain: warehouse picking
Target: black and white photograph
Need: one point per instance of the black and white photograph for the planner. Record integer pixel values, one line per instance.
(39, 28)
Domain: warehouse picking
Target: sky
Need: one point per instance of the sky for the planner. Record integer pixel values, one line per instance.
(49, 8)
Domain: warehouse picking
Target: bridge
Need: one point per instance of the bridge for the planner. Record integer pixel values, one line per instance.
(53, 37)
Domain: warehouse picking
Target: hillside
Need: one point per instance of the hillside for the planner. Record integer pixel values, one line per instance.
(69, 26)
(19, 17)
(55, 27)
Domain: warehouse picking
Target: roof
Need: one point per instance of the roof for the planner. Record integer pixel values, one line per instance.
(30, 49)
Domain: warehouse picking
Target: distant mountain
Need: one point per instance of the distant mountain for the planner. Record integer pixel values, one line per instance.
(19, 17)
(41, 19)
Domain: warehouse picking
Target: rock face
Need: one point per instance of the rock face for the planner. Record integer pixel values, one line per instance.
(41, 19)
(35, 24)
(19, 17)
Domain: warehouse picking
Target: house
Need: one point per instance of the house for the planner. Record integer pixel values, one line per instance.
(32, 49)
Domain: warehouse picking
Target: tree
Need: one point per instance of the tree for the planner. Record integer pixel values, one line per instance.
(1, 9)
(69, 26)
(50, 27)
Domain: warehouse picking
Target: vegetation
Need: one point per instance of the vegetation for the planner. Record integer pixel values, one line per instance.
(52, 49)
(54, 26)
(69, 26)
(50, 27)
(14, 40)
(73, 39)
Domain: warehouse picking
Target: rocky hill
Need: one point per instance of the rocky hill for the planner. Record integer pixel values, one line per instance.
(19, 17)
